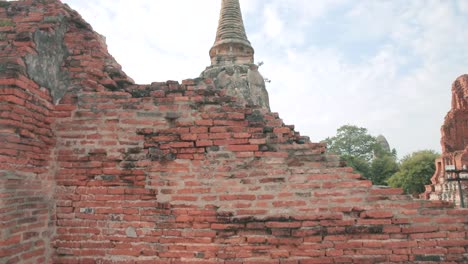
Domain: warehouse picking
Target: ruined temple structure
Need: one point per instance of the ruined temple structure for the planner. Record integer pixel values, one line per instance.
(232, 60)
(454, 149)
(97, 169)
(382, 141)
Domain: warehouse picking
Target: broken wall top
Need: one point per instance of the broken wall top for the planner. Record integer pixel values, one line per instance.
(51, 44)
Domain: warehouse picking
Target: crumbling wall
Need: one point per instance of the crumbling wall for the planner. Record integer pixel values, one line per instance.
(183, 173)
(26, 139)
(169, 173)
(38, 65)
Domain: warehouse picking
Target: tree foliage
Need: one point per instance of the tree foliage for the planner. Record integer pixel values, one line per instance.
(352, 141)
(382, 168)
(363, 152)
(415, 172)
(375, 162)
(359, 165)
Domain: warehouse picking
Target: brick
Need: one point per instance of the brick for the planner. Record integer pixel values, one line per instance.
(249, 212)
(198, 234)
(246, 197)
(257, 141)
(178, 145)
(283, 224)
(334, 253)
(429, 251)
(226, 226)
(245, 154)
(204, 122)
(242, 135)
(289, 203)
(256, 240)
(282, 130)
(198, 130)
(374, 221)
(419, 229)
(204, 143)
(229, 123)
(348, 245)
(386, 191)
(242, 148)
(188, 137)
(453, 243)
(236, 116)
(392, 229)
(218, 129)
(316, 261)
(377, 214)
(231, 142)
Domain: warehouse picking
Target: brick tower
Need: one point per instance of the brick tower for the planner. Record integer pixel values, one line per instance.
(454, 143)
(232, 59)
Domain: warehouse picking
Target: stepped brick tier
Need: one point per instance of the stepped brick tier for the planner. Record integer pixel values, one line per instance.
(454, 148)
(97, 169)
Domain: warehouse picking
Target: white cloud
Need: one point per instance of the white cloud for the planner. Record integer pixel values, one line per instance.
(463, 6)
(154, 40)
(402, 90)
(273, 25)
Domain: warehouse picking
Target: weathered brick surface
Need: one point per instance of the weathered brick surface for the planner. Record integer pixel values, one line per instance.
(454, 143)
(26, 142)
(31, 79)
(200, 180)
(182, 173)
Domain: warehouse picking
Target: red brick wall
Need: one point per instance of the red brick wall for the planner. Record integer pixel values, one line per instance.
(180, 173)
(26, 141)
(27, 163)
(26, 179)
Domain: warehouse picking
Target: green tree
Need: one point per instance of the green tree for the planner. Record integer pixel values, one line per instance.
(382, 168)
(359, 165)
(415, 171)
(352, 141)
(364, 153)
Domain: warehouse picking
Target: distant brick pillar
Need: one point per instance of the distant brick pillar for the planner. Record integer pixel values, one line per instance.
(454, 147)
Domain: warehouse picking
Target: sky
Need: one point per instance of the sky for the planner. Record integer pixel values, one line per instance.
(384, 65)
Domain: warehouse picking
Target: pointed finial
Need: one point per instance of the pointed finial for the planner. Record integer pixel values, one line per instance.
(231, 45)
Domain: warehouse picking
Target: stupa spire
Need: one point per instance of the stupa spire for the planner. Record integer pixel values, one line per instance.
(232, 60)
(231, 45)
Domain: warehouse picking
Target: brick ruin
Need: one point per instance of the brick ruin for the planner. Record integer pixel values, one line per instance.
(454, 148)
(97, 169)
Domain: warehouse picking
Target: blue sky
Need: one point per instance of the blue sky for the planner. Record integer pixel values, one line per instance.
(384, 65)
